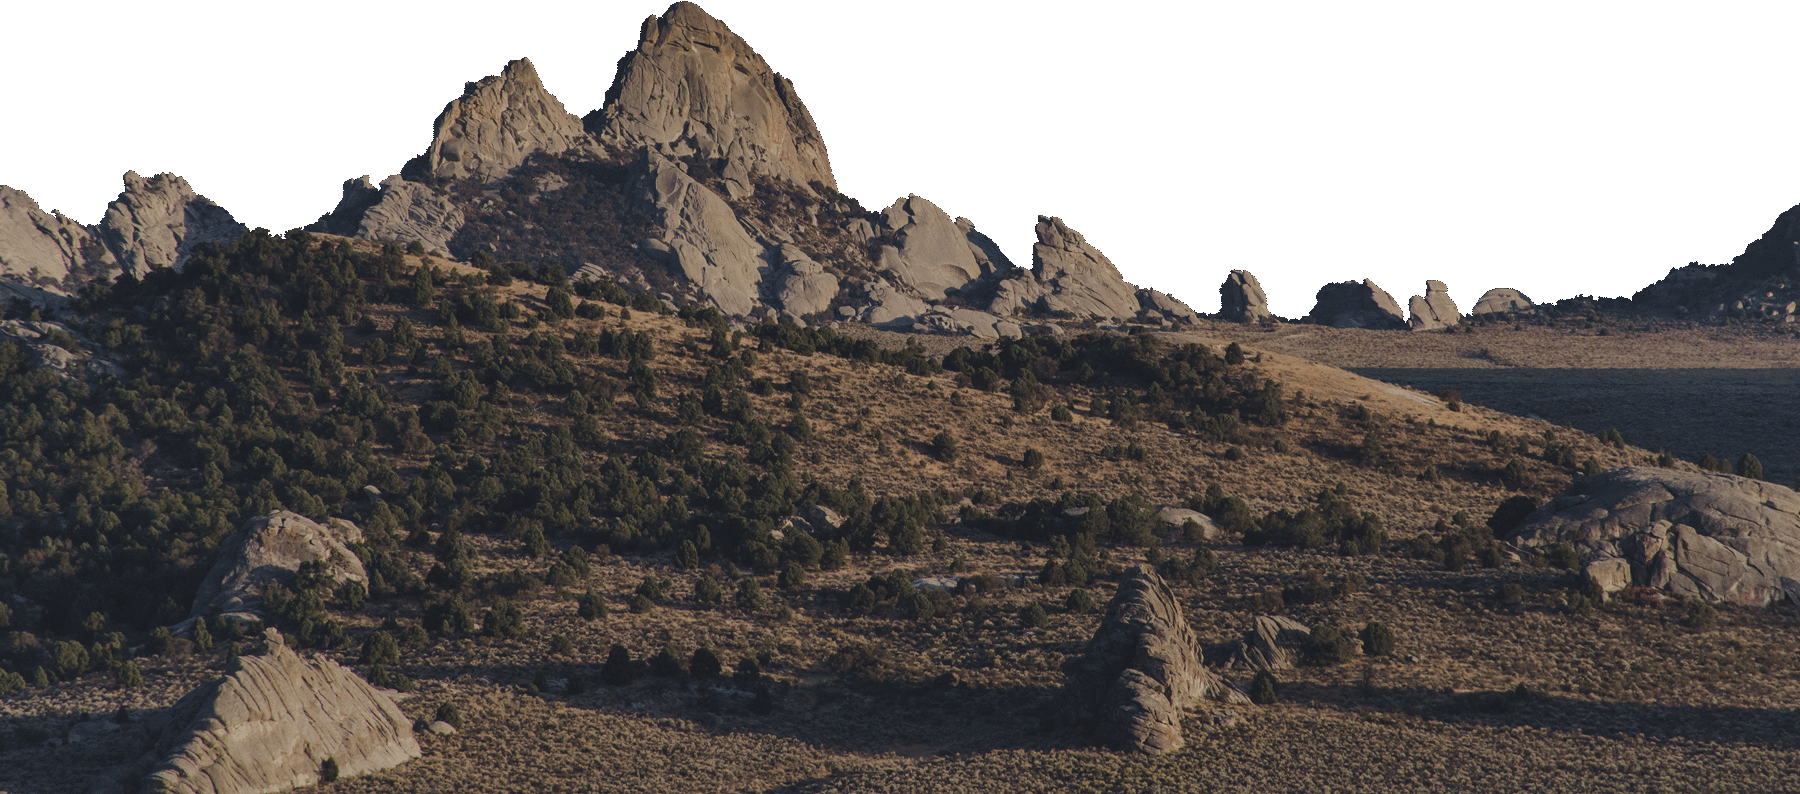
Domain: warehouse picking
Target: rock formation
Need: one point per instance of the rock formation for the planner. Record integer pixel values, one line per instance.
(1764, 281)
(1142, 669)
(272, 722)
(1434, 310)
(272, 547)
(700, 238)
(1069, 279)
(932, 254)
(397, 211)
(154, 222)
(801, 286)
(497, 123)
(1350, 304)
(694, 87)
(1272, 643)
(1713, 536)
(1157, 304)
(1502, 300)
(1241, 299)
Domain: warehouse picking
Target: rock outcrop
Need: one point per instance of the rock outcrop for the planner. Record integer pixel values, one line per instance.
(700, 238)
(1272, 643)
(1502, 300)
(397, 211)
(1157, 304)
(1241, 299)
(272, 722)
(1069, 279)
(155, 222)
(931, 254)
(497, 123)
(694, 87)
(1351, 304)
(801, 286)
(272, 547)
(1434, 310)
(1762, 282)
(1712, 536)
(1142, 669)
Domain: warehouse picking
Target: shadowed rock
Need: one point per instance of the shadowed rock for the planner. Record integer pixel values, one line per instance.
(1350, 304)
(1272, 643)
(397, 211)
(1434, 310)
(272, 547)
(1717, 537)
(272, 722)
(1068, 278)
(1241, 299)
(1142, 669)
(933, 254)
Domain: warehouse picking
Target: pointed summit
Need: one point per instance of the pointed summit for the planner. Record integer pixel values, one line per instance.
(694, 87)
(156, 222)
(497, 123)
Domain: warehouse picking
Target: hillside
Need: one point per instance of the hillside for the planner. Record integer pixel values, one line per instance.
(291, 372)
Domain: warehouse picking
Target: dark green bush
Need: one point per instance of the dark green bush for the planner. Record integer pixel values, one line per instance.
(1264, 691)
(1328, 645)
(1377, 639)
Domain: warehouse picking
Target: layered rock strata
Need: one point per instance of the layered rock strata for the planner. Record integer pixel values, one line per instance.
(271, 724)
(1141, 670)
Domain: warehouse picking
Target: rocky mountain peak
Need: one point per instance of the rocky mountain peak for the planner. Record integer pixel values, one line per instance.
(157, 221)
(694, 87)
(498, 122)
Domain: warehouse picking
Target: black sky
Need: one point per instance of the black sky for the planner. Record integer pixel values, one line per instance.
(1583, 161)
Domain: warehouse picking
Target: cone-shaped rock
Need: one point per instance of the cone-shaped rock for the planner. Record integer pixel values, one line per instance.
(1351, 304)
(1434, 309)
(270, 724)
(497, 123)
(1142, 669)
(1241, 299)
(693, 86)
(156, 222)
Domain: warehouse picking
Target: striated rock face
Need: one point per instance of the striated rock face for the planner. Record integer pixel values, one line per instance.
(1142, 669)
(1349, 304)
(1272, 643)
(272, 547)
(1241, 299)
(694, 87)
(270, 724)
(1433, 310)
(1069, 278)
(497, 123)
(399, 211)
(700, 236)
(156, 222)
(1502, 300)
(1704, 535)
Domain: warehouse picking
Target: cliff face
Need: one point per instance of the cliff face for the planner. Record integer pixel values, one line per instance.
(1764, 281)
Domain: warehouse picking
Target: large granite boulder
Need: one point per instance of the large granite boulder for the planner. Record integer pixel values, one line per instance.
(1069, 279)
(1434, 310)
(1717, 537)
(700, 237)
(801, 286)
(1272, 643)
(1351, 304)
(498, 122)
(1502, 300)
(932, 253)
(397, 211)
(1156, 303)
(693, 87)
(157, 222)
(1142, 669)
(1241, 299)
(272, 722)
(272, 547)
(886, 306)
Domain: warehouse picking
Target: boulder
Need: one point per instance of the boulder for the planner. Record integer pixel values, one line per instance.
(707, 244)
(272, 722)
(498, 122)
(1176, 518)
(397, 211)
(1272, 643)
(1079, 281)
(884, 305)
(1141, 670)
(1241, 299)
(1502, 300)
(1155, 303)
(272, 547)
(1434, 310)
(933, 255)
(1350, 304)
(693, 87)
(1717, 537)
(801, 286)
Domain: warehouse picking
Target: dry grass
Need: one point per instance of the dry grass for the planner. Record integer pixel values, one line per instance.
(1623, 699)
